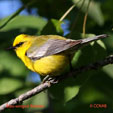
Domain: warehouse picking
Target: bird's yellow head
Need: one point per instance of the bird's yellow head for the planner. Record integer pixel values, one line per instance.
(21, 40)
(21, 44)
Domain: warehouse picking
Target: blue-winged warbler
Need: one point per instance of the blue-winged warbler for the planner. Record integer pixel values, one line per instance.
(48, 54)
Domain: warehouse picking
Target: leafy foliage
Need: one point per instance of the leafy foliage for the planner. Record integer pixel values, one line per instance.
(71, 95)
(52, 27)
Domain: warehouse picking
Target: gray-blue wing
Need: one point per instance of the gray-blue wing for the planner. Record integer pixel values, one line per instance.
(51, 47)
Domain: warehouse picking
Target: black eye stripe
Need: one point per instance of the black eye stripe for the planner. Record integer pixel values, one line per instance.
(19, 44)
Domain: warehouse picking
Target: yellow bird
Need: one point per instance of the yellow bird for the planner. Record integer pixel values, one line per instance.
(48, 54)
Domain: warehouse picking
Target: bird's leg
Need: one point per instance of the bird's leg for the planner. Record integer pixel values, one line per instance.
(45, 78)
(53, 79)
(50, 79)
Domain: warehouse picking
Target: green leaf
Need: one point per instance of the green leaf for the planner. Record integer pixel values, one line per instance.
(70, 92)
(109, 70)
(76, 58)
(8, 85)
(94, 10)
(24, 21)
(100, 43)
(109, 43)
(52, 27)
(8, 63)
(23, 24)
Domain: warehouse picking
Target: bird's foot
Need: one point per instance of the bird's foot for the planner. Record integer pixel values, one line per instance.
(51, 80)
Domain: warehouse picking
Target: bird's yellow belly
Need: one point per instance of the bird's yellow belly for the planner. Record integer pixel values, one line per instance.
(53, 65)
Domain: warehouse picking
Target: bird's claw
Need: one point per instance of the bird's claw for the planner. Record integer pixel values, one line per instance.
(50, 80)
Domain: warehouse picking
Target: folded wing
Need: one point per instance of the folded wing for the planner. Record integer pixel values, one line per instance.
(51, 47)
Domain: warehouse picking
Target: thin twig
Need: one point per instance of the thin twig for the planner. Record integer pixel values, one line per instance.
(46, 85)
(85, 19)
(67, 12)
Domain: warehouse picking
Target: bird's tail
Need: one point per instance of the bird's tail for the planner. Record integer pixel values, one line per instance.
(90, 39)
(77, 44)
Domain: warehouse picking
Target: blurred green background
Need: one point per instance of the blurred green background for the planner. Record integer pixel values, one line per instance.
(73, 95)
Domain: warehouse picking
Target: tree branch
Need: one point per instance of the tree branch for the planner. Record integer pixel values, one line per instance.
(49, 83)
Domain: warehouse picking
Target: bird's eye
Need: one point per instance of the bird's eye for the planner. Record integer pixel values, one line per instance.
(19, 44)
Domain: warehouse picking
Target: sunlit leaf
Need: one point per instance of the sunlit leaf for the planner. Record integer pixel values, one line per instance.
(24, 22)
(70, 92)
(8, 85)
(52, 27)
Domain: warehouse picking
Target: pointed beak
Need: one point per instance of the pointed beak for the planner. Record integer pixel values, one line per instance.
(11, 48)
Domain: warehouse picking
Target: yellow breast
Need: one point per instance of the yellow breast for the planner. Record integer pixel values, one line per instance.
(53, 65)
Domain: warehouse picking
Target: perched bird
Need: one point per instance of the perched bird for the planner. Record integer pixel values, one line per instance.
(48, 54)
